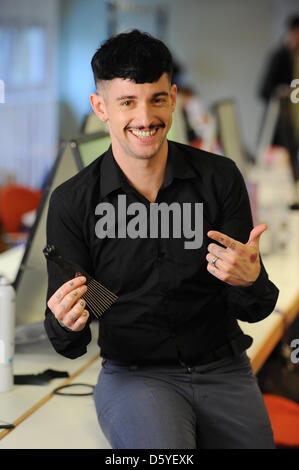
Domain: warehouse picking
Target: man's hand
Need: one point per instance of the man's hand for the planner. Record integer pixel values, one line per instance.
(67, 305)
(238, 264)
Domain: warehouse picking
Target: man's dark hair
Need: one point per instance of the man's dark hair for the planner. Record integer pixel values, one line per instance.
(135, 55)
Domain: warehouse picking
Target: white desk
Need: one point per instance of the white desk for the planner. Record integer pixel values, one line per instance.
(46, 421)
(284, 272)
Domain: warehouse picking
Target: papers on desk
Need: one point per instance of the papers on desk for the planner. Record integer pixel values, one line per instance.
(10, 262)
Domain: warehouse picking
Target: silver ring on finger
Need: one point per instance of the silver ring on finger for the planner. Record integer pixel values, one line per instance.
(214, 261)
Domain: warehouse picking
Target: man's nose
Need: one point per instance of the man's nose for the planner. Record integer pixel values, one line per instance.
(145, 116)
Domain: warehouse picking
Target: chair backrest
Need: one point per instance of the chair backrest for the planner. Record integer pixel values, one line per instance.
(14, 202)
(284, 418)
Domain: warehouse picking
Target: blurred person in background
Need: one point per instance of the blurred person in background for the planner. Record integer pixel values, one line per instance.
(283, 65)
(200, 124)
(281, 68)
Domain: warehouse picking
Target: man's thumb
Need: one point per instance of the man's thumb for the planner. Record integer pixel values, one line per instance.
(255, 234)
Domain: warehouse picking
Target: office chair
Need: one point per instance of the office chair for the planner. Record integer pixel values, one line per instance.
(15, 201)
(284, 418)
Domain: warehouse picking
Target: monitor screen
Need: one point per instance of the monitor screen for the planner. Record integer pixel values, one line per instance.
(178, 130)
(267, 129)
(87, 148)
(93, 124)
(229, 132)
(31, 279)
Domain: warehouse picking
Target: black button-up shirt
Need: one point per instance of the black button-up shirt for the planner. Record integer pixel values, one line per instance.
(169, 305)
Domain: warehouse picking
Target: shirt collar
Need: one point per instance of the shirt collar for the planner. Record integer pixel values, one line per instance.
(112, 177)
(177, 166)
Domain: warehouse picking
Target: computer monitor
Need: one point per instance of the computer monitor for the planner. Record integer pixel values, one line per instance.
(178, 130)
(32, 281)
(92, 124)
(267, 130)
(86, 148)
(229, 132)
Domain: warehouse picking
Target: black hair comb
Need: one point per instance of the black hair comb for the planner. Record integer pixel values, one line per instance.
(97, 297)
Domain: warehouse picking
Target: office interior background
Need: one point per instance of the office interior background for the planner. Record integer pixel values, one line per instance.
(220, 49)
(46, 48)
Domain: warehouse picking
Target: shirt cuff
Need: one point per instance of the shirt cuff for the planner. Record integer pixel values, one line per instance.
(257, 288)
(62, 330)
(63, 325)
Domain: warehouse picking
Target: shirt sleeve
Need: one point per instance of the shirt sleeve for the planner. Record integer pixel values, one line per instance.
(63, 231)
(257, 301)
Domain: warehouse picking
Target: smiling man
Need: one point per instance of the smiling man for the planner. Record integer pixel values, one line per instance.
(138, 111)
(175, 374)
(138, 115)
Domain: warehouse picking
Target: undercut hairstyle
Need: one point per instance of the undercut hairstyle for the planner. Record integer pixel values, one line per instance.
(135, 55)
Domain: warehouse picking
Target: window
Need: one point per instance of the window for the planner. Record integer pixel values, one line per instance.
(22, 57)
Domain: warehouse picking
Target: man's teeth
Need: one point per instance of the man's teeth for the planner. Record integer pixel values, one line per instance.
(143, 134)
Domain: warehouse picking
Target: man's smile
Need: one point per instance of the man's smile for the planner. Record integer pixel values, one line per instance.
(146, 135)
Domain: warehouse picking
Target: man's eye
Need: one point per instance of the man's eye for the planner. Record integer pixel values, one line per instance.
(126, 103)
(159, 100)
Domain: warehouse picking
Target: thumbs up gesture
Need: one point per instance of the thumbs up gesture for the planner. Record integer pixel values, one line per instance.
(237, 264)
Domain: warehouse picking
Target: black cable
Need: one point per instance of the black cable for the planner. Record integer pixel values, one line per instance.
(57, 391)
(6, 425)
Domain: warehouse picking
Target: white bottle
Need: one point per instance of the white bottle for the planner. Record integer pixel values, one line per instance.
(7, 328)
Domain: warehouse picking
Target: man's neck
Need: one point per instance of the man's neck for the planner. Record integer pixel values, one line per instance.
(146, 176)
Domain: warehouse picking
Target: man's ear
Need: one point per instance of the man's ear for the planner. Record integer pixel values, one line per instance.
(98, 106)
(173, 95)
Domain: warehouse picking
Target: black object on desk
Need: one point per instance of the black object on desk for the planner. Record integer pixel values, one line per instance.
(39, 379)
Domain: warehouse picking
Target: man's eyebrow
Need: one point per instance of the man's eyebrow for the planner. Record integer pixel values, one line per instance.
(161, 93)
(132, 97)
(126, 97)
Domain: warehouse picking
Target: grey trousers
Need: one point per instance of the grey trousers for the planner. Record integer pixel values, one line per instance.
(213, 406)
